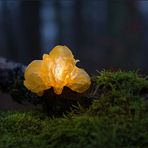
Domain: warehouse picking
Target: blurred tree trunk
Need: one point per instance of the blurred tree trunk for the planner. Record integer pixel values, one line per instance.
(8, 31)
(79, 24)
(20, 32)
(59, 21)
(124, 33)
(30, 23)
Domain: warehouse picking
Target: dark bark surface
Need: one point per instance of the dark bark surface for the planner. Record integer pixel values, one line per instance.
(9, 73)
(13, 93)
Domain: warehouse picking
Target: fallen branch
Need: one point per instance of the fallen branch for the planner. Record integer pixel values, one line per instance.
(11, 81)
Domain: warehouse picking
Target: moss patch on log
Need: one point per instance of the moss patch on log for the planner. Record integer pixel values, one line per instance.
(117, 117)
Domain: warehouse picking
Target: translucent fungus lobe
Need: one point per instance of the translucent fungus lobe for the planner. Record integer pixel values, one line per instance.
(57, 69)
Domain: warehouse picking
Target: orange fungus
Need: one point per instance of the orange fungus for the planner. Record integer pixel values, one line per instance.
(57, 69)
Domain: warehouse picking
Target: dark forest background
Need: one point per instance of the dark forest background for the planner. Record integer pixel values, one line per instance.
(101, 33)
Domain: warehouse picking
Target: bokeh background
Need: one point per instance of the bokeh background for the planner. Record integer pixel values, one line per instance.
(101, 33)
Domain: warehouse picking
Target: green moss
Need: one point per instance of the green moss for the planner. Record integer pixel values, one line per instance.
(25, 130)
(120, 93)
(116, 118)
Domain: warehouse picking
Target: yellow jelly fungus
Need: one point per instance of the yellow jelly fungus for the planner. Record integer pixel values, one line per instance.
(57, 69)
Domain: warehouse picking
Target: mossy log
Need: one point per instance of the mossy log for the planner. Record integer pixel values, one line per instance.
(114, 113)
(116, 87)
